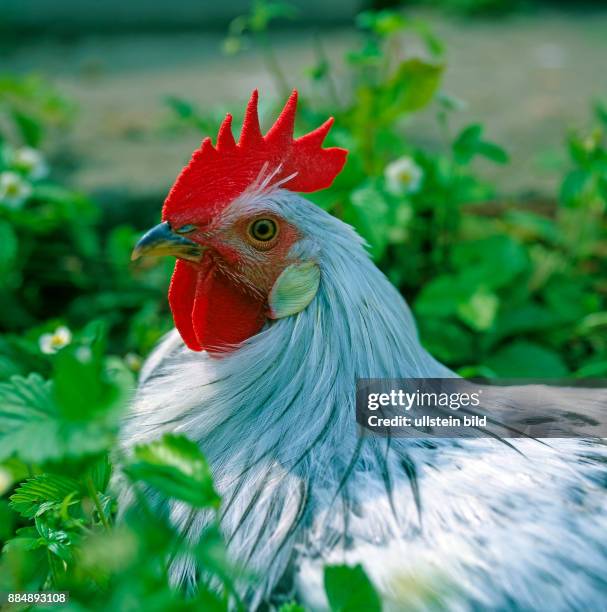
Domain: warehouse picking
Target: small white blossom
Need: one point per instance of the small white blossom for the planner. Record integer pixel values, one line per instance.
(14, 190)
(403, 176)
(51, 343)
(30, 162)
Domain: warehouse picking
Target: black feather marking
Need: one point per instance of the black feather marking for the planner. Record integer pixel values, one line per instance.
(240, 481)
(382, 460)
(410, 470)
(304, 500)
(348, 470)
(252, 503)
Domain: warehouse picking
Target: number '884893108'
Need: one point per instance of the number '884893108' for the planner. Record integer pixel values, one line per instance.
(29, 597)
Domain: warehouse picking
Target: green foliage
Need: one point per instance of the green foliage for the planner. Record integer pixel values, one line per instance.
(291, 607)
(533, 359)
(479, 7)
(479, 278)
(253, 28)
(349, 590)
(175, 467)
(30, 107)
(59, 525)
(52, 412)
(498, 287)
(57, 268)
(469, 143)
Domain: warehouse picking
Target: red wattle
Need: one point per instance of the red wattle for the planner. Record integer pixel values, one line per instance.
(212, 312)
(182, 292)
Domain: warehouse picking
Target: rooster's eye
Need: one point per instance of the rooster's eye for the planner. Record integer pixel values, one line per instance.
(263, 230)
(185, 229)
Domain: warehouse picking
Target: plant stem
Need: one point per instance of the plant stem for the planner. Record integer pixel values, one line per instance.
(324, 59)
(51, 567)
(95, 497)
(272, 64)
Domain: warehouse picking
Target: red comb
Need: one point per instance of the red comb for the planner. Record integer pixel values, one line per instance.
(218, 174)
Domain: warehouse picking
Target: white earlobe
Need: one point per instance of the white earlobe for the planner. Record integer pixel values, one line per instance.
(294, 289)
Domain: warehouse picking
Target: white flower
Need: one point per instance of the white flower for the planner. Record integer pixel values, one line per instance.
(30, 162)
(14, 191)
(403, 176)
(51, 343)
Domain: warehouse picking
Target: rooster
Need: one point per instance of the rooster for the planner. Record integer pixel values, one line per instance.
(278, 311)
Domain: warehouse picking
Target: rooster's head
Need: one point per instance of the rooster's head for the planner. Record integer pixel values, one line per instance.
(241, 257)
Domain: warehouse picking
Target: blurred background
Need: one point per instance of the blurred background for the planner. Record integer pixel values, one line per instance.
(477, 170)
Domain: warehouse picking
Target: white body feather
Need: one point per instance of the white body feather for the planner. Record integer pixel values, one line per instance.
(483, 525)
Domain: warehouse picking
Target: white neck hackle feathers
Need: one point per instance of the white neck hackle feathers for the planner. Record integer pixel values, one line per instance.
(276, 420)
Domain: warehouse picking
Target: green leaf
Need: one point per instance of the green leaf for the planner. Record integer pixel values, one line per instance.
(368, 213)
(533, 225)
(527, 317)
(188, 113)
(447, 340)
(8, 251)
(109, 551)
(382, 23)
(433, 43)
(593, 369)
(27, 539)
(27, 426)
(291, 607)
(209, 601)
(479, 310)
(493, 152)
(175, 466)
(494, 261)
(57, 541)
(79, 374)
(263, 13)
(7, 520)
(350, 590)
(369, 55)
(33, 429)
(473, 371)
(43, 488)
(466, 143)
(442, 296)
(600, 110)
(590, 322)
(411, 88)
(522, 359)
(570, 299)
(101, 472)
(469, 143)
(574, 187)
(31, 129)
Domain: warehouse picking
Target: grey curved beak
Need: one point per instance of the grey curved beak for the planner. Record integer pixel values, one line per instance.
(162, 240)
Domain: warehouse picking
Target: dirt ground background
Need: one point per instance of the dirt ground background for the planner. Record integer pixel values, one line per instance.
(527, 77)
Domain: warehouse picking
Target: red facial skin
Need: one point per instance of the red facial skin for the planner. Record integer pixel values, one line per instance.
(221, 301)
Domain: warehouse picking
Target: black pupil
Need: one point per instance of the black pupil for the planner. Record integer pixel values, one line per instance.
(263, 230)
